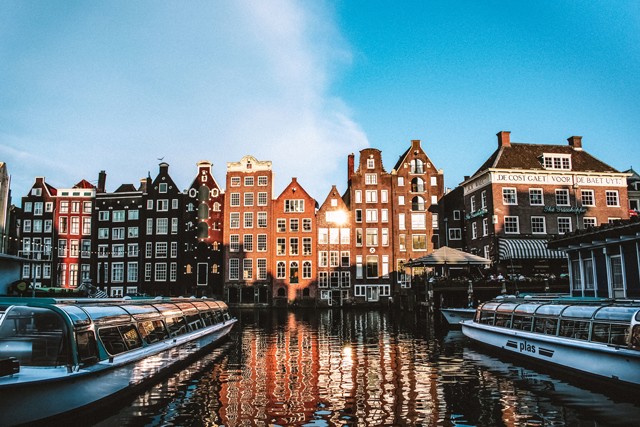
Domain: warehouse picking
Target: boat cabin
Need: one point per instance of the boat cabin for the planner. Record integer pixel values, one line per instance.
(47, 332)
(603, 322)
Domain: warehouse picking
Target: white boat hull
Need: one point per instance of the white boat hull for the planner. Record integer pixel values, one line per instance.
(605, 361)
(453, 316)
(53, 394)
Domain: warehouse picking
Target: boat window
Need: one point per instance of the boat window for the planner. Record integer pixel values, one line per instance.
(576, 329)
(34, 336)
(87, 350)
(486, 317)
(118, 339)
(490, 306)
(503, 320)
(141, 311)
(523, 323)
(579, 311)
(77, 315)
(507, 307)
(526, 308)
(616, 313)
(168, 309)
(546, 325)
(551, 309)
(105, 314)
(177, 326)
(152, 331)
(635, 337)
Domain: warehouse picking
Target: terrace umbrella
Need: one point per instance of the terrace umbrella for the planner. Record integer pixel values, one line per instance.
(446, 256)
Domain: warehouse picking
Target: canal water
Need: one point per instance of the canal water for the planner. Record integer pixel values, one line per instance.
(365, 368)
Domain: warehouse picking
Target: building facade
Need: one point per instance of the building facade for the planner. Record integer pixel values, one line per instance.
(248, 208)
(204, 241)
(526, 193)
(334, 247)
(5, 204)
(294, 240)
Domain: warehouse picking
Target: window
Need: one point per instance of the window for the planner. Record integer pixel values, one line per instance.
(117, 272)
(474, 230)
(28, 206)
(306, 224)
(372, 266)
(293, 271)
(117, 233)
(294, 225)
(589, 222)
(281, 225)
(132, 249)
(248, 199)
(417, 204)
(117, 251)
(485, 226)
(372, 236)
(118, 216)
(401, 200)
(234, 220)
(588, 198)
(434, 199)
(149, 226)
(370, 179)
(234, 243)
(247, 268)
(262, 243)
(235, 181)
(294, 205)
(248, 181)
(281, 270)
(371, 196)
(64, 206)
(359, 272)
(418, 221)
(234, 269)
(455, 234)
(306, 246)
(358, 236)
(417, 166)
(262, 220)
(26, 225)
(262, 181)
(562, 197)
(401, 221)
(456, 215)
(556, 161)
(86, 225)
(419, 242)
(322, 259)
(345, 236)
(281, 246)
(536, 197)
(161, 272)
(134, 214)
(385, 236)
(161, 249)
(400, 181)
(293, 246)
(262, 198)
(162, 205)
(132, 232)
(248, 220)
(345, 259)
(358, 215)
(472, 201)
(371, 163)
(262, 269)
(509, 196)
(247, 242)
(385, 265)
(417, 185)
(235, 199)
(612, 198)
(538, 225)
(358, 196)
(511, 225)
(384, 215)
(162, 225)
(564, 225)
(372, 215)
(323, 235)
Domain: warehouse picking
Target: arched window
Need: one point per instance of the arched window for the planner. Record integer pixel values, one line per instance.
(281, 270)
(203, 193)
(417, 185)
(203, 211)
(203, 230)
(293, 272)
(306, 269)
(417, 204)
(216, 207)
(417, 166)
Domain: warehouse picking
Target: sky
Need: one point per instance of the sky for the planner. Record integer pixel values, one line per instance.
(119, 85)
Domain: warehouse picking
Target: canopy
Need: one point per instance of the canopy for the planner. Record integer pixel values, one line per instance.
(527, 249)
(448, 256)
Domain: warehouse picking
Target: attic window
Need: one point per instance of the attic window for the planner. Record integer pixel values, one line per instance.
(556, 161)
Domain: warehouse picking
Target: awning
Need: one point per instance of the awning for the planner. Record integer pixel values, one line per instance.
(450, 257)
(527, 249)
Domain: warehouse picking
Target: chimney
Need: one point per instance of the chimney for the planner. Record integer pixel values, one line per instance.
(415, 144)
(143, 185)
(102, 181)
(350, 166)
(504, 138)
(575, 142)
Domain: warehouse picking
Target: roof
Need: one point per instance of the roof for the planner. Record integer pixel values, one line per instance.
(449, 256)
(84, 184)
(527, 156)
(629, 227)
(126, 188)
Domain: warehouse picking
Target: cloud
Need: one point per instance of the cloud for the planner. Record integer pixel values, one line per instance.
(101, 87)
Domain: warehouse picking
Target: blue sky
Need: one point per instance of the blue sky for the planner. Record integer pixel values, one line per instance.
(90, 86)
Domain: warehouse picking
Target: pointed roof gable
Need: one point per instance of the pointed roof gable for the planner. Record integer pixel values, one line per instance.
(84, 184)
(295, 187)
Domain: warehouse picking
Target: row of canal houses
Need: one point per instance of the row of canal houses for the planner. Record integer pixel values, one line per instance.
(248, 244)
(244, 242)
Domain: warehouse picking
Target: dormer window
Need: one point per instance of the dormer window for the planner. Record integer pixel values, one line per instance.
(371, 164)
(556, 161)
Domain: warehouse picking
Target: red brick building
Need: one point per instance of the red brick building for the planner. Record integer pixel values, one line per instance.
(335, 245)
(248, 209)
(293, 266)
(526, 193)
(417, 187)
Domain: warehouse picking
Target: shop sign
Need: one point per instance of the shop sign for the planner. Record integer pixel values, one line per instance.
(479, 212)
(564, 209)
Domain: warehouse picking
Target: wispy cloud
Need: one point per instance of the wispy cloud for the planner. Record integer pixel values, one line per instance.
(114, 88)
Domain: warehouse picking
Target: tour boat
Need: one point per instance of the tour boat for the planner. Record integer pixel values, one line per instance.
(454, 316)
(61, 355)
(596, 337)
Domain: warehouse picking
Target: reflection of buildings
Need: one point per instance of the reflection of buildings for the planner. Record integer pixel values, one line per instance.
(525, 193)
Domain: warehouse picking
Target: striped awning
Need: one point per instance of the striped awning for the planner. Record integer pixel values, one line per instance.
(527, 249)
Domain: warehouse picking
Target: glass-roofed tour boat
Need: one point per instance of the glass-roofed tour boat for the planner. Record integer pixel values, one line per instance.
(596, 337)
(60, 355)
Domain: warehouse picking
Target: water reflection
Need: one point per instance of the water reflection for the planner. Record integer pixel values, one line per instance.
(334, 367)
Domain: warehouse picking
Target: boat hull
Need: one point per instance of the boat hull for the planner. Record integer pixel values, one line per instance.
(454, 316)
(609, 362)
(50, 398)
